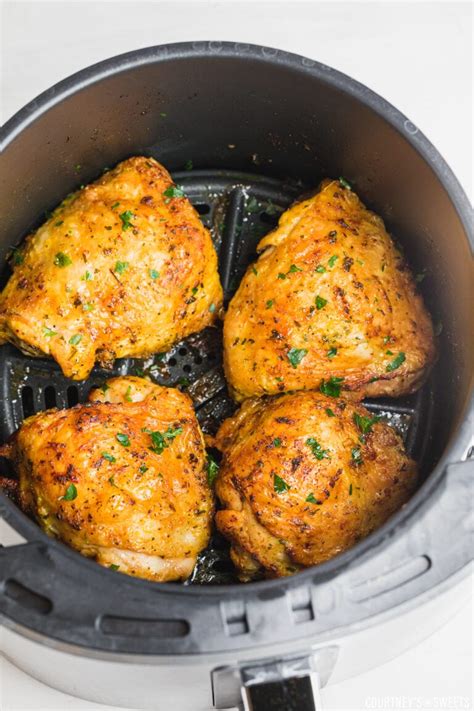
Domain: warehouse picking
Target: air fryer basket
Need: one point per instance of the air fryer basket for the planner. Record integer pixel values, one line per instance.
(260, 126)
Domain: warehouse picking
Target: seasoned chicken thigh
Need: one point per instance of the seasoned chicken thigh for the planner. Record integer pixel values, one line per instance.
(303, 478)
(123, 267)
(329, 301)
(121, 479)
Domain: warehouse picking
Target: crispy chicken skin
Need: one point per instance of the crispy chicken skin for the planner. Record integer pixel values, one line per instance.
(96, 477)
(303, 478)
(123, 267)
(329, 297)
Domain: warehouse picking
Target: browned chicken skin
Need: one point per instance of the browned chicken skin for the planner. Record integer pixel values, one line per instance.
(121, 479)
(123, 267)
(329, 297)
(303, 478)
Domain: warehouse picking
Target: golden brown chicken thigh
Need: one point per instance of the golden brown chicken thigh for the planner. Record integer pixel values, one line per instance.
(121, 479)
(123, 267)
(303, 478)
(329, 298)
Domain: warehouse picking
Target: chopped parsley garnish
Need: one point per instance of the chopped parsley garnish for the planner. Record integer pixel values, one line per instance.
(87, 277)
(331, 352)
(254, 271)
(154, 274)
(161, 440)
(120, 267)
(17, 257)
(364, 424)
(294, 269)
(188, 165)
(116, 204)
(59, 223)
(48, 332)
(74, 340)
(279, 484)
(419, 277)
(123, 439)
(296, 355)
(396, 362)
(345, 184)
(212, 470)
(281, 275)
(109, 457)
(350, 490)
(333, 260)
(331, 387)
(320, 269)
(277, 442)
(329, 412)
(104, 388)
(62, 260)
(356, 455)
(128, 394)
(269, 304)
(389, 352)
(316, 449)
(320, 302)
(311, 499)
(87, 307)
(212, 308)
(114, 566)
(126, 218)
(70, 493)
(173, 192)
(252, 205)
(142, 468)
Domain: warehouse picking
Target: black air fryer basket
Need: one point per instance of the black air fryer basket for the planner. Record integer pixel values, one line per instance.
(258, 127)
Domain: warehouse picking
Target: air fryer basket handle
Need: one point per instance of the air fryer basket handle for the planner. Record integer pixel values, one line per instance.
(292, 685)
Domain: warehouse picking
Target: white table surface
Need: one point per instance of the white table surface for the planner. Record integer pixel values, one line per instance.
(418, 55)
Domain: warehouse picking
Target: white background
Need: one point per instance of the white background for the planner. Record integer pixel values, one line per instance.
(418, 55)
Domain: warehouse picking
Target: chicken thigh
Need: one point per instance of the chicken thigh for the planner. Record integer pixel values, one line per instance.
(123, 267)
(121, 479)
(303, 478)
(330, 301)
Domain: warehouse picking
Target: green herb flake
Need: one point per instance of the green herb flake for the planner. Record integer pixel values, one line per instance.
(320, 302)
(389, 352)
(281, 275)
(62, 260)
(332, 352)
(310, 499)
(126, 218)
(330, 412)
(294, 269)
(87, 307)
(109, 457)
(87, 277)
(161, 440)
(104, 388)
(59, 223)
(142, 468)
(356, 456)
(120, 267)
(128, 394)
(316, 449)
(212, 308)
(279, 484)
(252, 205)
(396, 362)
(331, 387)
(277, 442)
(345, 184)
(116, 204)
(254, 271)
(154, 274)
(296, 355)
(333, 260)
(17, 257)
(420, 277)
(48, 332)
(212, 470)
(188, 165)
(173, 192)
(70, 493)
(365, 424)
(123, 439)
(320, 269)
(114, 566)
(74, 340)
(269, 304)
(350, 490)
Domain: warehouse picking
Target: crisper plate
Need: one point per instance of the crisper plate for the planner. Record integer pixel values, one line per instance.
(238, 209)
